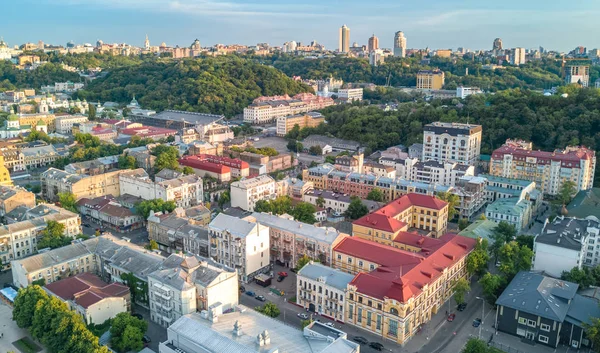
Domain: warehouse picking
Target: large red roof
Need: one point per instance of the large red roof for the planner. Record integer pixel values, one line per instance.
(204, 165)
(148, 131)
(402, 274)
(230, 162)
(384, 218)
(86, 289)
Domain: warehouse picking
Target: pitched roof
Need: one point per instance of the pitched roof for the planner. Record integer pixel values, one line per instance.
(86, 289)
(332, 277)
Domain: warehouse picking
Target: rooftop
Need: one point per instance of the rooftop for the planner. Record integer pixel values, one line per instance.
(324, 235)
(479, 229)
(253, 182)
(188, 117)
(586, 203)
(512, 206)
(86, 289)
(567, 232)
(331, 277)
(237, 227)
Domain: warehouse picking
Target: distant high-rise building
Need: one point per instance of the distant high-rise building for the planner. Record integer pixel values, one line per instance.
(373, 43)
(399, 44)
(376, 57)
(578, 74)
(99, 43)
(147, 43)
(497, 44)
(344, 39)
(290, 47)
(517, 56)
(40, 45)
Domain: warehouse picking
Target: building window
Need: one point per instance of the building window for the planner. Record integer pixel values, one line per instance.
(378, 322)
(393, 329)
(350, 311)
(359, 315)
(531, 323)
(543, 339)
(369, 318)
(545, 327)
(523, 321)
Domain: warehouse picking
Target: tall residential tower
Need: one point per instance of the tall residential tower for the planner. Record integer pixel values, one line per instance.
(344, 40)
(400, 44)
(373, 43)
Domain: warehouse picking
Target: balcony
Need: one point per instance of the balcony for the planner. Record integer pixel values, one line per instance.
(162, 294)
(165, 307)
(213, 250)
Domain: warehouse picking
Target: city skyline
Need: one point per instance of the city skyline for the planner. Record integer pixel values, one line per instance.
(443, 25)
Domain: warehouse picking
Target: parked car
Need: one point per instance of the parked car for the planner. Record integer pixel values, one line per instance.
(282, 273)
(330, 324)
(139, 316)
(250, 293)
(242, 289)
(360, 340)
(376, 346)
(261, 298)
(280, 278)
(451, 317)
(302, 316)
(476, 322)
(462, 307)
(146, 340)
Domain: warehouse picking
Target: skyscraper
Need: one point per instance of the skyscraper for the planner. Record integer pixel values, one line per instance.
(344, 40)
(399, 44)
(518, 56)
(373, 43)
(497, 44)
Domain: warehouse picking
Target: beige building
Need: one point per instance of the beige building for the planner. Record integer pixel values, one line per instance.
(452, 142)
(34, 120)
(430, 79)
(55, 181)
(176, 232)
(64, 123)
(246, 192)
(12, 197)
(287, 123)
(185, 191)
(344, 39)
(36, 157)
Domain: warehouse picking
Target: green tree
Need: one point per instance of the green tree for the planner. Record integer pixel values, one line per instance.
(303, 261)
(262, 206)
(127, 162)
(463, 223)
(320, 201)
(91, 111)
(503, 233)
(153, 245)
(460, 288)
(224, 198)
(304, 212)
(36, 189)
(53, 236)
(328, 159)
(25, 304)
(525, 240)
(581, 276)
(315, 150)
(187, 170)
(375, 195)
(356, 208)
(592, 332)
(567, 190)
(492, 286)
(453, 202)
(514, 258)
(166, 157)
(127, 332)
(305, 323)
(269, 309)
(475, 345)
(68, 201)
(477, 260)
(143, 208)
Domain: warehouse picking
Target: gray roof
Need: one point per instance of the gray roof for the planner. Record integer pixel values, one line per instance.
(586, 203)
(173, 277)
(334, 278)
(39, 151)
(168, 174)
(582, 310)
(539, 295)
(139, 263)
(237, 227)
(331, 141)
(188, 117)
(57, 256)
(566, 232)
(325, 235)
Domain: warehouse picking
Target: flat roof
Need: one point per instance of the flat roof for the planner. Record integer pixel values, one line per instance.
(188, 117)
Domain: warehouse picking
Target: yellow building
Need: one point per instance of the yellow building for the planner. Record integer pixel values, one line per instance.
(35, 119)
(394, 292)
(430, 79)
(287, 123)
(4, 174)
(443, 53)
(28, 59)
(390, 224)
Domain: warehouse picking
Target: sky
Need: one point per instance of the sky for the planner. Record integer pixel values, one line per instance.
(472, 24)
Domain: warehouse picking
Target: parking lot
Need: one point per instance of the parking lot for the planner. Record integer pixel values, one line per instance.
(278, 143)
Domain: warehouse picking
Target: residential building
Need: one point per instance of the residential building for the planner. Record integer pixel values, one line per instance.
(502, 188)
(204, 168)
(240, 244)
(334, 144)
(549, 170)
(151, 132)
(586, 203)
(373, 43)
(286, 123)
(452, 142)
(238, 167)
(261, 164)
(37, 157)
(336, 203)
(322, 289)
(471, 194)
(266, 109)
(55, 181)
(545, 310)
(185, 191)
(430, 79)
(565, 243)
(350, 94)
(64, 123)
(434, 172)
(480, 229)
(515, 211)
(13, 197)
(167, 174)
(517, 56)
(110, 214)
(290, 240)
(189, 284)
(464, 92)
(246, 192)
(294, 188)
(399, 44)
(36, 119)
(202, 147)
(395, 291)
(92, 298)
(94, 167)
(344, 39)
(426, 213)
(175, 232)
(350, 164)
(416, 151)
(247, 331)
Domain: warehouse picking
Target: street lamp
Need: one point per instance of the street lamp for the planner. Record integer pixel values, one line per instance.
(482, 314)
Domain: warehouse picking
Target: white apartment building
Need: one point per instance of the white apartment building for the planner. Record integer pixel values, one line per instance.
(452, 142)
(430, 172)
(322, 289)
(64, 124)
(185, 191)
(240, 244)
(566, 243)
(464, 92)
(185, 285)
(336, 202)
(350, 94)
(246, 192)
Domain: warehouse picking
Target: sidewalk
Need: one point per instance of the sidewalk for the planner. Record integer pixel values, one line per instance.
(11, 331)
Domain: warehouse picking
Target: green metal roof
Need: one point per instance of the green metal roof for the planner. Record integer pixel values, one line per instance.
(586, 203)
(479, 229)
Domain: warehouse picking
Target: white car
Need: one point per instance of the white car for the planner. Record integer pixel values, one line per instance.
(302, 316)
(329, 324)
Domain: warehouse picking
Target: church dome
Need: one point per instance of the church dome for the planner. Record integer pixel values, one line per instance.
(13, 117)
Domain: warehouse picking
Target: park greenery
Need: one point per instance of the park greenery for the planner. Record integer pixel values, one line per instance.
(143, 208)
(12, 78)
(52, 323)
(265, 151)
(301, 211)
(53, 236)
(126, 333)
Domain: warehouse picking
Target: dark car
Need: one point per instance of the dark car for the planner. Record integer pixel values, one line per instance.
(242, 289)
(451, 317)
(260, 298)
(462, 307)
(476, 322)
(146, 340)
(360, 340)
(139, 316)
(376, 346)
(250, 293)
(280, 278)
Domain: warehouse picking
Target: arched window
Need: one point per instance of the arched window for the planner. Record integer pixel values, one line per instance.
(445, 141)
(462, 143)
(394, 311)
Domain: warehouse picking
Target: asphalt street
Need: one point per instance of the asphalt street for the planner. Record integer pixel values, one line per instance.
(137, 236)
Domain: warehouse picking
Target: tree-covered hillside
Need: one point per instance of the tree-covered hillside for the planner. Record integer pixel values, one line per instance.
(223, 85)
(12, 78)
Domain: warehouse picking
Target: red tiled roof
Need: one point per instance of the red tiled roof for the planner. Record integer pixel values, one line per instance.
(383, 218)
(95, 203)
(204, 165)
(147, 131)
(427, 244)
(401, 279)
(230, 162)
(381, 254)
(569, 158)
(86, 289)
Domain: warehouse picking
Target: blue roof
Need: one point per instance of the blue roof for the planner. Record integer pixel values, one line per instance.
(9, 293)
(334, 278)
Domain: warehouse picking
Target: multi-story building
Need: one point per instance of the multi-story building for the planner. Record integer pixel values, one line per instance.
(178, 120)
(13, 197)
(565, 243)
(64, 123)
(151, 132)
(239, 168)
(434, 172)
(549, 170)
(373, 43)
(246, 192)
(452, 142)
(185, 191)
(204, 168)
(36, 119)
(464, 92)
(344, 39)
(322, 289)
(395, 291)
(266, 109)
(92, 298)
(240, 244)
(55, 181)
(290, 240)
(176, 232)
(94, 167)
(261, 164)
(287, 123)
(108, 213)
(517, 56)
(336, 203)
(514, 210)
(471, 192)
(36, 157)
(579, 74)
(350, 94)
(426, 213)
(430, 79)
(399, 44)
(189, 284)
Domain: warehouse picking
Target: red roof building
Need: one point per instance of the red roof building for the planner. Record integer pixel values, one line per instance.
(96, 300)
(202, 167)
(238, 167)
(155, 133)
